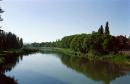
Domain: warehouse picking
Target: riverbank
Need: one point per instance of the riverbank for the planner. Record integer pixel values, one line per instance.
(120, 59)
(15, 52)
(19, 51)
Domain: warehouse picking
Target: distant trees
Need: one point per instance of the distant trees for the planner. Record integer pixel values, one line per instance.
(98, 43)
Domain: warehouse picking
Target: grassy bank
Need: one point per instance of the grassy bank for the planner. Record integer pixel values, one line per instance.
(68, 52)
(117, 58)
(16, 52)
(113, 58)
(19, 51)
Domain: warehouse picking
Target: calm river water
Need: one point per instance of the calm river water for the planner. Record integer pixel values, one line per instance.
(52, 68)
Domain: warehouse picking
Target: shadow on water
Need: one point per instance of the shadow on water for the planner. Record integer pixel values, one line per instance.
(7, 80)
(10, 62)
(95, 70)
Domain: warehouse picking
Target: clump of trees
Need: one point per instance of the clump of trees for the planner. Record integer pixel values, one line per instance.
(9, 41)
(99, 43)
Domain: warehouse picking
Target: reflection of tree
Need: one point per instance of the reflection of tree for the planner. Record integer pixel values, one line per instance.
(96, 70)
(7, 80)
(10, 62)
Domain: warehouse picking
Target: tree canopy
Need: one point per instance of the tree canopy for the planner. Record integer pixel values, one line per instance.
(99, 43)
(107, 28)
(9, 40)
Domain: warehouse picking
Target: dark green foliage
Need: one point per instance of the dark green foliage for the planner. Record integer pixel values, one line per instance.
(96, 70)
(106, 43)
(98, 43)
(75, 43)
(101, 30)
(21, 42)
(86, 43)
(107, 32)
(45, 44)
(65, 42)
(9, 41)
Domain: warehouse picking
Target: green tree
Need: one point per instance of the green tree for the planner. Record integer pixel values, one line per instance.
(101, 30)
(96, 46)
(107, 32)
(9, 40)
(106, 43)
(75, 43)
(87, 43)
(21, 42)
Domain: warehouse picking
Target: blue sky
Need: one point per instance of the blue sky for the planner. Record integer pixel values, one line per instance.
(48, 20)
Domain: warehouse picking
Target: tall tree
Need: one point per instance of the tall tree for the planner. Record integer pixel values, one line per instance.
(8, 40)
(101, 30)
(1, 11)
(107, 32)
(21, 42)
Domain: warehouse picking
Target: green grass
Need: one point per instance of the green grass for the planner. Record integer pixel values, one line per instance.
(117, 58)
(58, 50)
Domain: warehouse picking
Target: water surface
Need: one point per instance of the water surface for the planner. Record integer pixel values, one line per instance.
(52, 68)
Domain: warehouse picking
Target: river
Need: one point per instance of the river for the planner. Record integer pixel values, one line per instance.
(53, 68)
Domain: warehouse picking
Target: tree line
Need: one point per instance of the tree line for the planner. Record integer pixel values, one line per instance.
(99, 42)
(9, 40)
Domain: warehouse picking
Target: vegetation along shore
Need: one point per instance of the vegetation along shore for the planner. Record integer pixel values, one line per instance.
(99, 45)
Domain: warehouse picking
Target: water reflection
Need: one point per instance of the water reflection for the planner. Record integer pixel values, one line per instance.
(95, 70)
(9, 63)
(7, 80)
